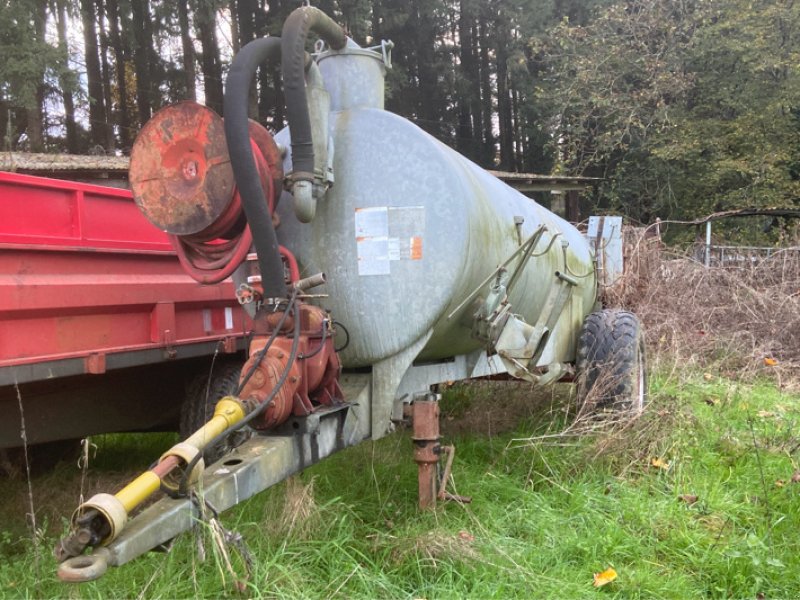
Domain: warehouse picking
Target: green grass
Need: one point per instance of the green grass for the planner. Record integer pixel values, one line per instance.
(544, 517)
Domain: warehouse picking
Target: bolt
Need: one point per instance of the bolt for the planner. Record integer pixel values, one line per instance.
(190, 169)
(258, 379)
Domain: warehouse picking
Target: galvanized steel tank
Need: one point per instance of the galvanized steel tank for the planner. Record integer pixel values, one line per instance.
(410, 228)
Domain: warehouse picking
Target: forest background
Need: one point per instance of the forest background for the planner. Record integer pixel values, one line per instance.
(681, 107)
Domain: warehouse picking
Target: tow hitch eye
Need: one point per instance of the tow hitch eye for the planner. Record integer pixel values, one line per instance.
(85, 567)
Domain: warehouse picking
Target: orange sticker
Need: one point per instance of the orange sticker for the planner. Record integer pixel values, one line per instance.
(416, 248)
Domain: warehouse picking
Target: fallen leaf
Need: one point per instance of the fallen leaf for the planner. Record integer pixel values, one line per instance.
(796, 477)
(604, 578)
(688, 498)
(779, 483)
(466, 536)
(770, 362)
(774, 562)
(659, 463)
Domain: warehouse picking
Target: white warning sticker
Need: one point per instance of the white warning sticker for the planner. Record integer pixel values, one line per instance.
(373, 256)
(372, 222)
(386, 234)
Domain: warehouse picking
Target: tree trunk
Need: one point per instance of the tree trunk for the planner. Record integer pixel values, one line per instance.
(465, 132)
(236, 36)
(123, 116)
(519, 152)
(489, 152)
(141, 13)
(97, 111)
(272, 102)
(189, 72)
(5, 134)
(18, 126)
(262, 99)
(427, 92)
(205, 18)
(106, 72)
(66, 86)
(35, 111)
(247, 9)
(153, 60)
(475, 95)
(504, 117)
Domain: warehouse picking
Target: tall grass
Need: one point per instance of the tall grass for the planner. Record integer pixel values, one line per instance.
(545, 515)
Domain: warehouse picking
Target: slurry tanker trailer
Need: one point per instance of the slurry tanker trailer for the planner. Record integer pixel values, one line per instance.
(374, 262)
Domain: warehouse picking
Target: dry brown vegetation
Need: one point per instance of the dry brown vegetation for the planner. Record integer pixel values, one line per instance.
(743, 321)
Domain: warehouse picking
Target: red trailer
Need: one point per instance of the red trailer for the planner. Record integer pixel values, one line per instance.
(101, 330)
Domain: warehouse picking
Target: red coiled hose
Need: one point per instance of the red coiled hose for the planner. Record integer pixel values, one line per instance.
(212, 255)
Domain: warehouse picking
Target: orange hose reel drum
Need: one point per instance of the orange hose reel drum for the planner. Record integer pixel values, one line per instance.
(182, 180)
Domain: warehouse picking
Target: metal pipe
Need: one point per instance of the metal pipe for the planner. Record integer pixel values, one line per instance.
(426, 447)
(310, 282)
(139, 490)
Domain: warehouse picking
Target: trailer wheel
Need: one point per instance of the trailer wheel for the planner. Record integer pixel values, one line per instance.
(610, 364)
(202, 396)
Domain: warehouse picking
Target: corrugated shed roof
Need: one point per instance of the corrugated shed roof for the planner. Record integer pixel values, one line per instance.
(41, 164)
(65, 165)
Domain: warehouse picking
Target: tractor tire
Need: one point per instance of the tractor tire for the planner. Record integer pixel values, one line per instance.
(201, 398)
(611, 365)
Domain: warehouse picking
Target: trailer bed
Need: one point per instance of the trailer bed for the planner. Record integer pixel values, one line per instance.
(88, 286)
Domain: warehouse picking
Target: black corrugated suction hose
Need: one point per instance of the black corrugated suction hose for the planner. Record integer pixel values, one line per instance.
(237, 134)
(295, 31)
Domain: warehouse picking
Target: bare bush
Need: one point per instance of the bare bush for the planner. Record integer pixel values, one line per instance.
(743, 320)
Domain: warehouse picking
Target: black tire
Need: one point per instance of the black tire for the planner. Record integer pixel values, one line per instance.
(202, 396)
(611, 362)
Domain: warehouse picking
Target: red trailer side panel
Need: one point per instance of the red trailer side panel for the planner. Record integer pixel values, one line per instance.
(83, 275)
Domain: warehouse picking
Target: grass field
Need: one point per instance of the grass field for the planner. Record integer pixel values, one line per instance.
(696, 498)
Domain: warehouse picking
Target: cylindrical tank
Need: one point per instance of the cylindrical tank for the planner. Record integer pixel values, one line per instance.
(411, 228)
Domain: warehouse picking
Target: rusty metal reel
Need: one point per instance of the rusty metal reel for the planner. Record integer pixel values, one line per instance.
(180, 171)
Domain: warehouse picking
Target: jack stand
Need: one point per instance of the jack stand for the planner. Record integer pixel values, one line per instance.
(428, 451)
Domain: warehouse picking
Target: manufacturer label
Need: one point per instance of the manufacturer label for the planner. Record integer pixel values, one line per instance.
(386, 234)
